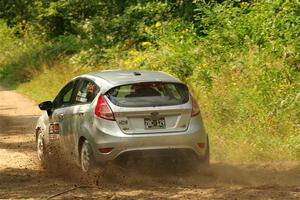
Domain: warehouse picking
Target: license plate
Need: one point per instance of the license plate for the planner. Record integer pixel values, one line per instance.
(155, 123)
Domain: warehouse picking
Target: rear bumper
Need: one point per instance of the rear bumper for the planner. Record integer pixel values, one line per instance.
(122, 143)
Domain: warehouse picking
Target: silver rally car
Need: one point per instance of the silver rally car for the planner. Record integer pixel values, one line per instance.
(101, 116)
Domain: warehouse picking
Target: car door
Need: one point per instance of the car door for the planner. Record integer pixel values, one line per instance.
(63, 111)
(83, 112)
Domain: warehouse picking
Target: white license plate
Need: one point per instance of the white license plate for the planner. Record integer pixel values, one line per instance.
(155, 123)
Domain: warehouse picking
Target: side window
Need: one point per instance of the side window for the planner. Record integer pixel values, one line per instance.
(87, 91)
(64, 97)
(67, 97)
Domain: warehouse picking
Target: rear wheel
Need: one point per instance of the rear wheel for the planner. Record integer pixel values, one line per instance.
(86, 157)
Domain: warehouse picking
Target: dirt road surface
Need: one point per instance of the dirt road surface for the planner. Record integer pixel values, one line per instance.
(21, 176)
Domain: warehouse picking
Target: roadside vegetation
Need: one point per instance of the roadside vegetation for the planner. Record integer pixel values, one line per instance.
(241, 59)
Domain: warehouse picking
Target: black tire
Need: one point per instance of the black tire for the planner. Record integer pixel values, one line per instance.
(87, 161)
(48, 155)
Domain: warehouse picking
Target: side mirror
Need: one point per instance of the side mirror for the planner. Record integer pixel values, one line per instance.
(46, 105)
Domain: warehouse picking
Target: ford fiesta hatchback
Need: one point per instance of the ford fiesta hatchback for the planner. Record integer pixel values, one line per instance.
(101, 116)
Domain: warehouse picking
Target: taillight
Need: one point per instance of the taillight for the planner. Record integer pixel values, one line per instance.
(195, 107)
(103, 110)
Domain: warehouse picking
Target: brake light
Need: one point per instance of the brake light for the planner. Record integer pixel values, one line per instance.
(103, 110)
(195, 107)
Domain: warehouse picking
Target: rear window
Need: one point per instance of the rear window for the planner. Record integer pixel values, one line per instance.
(149, 94)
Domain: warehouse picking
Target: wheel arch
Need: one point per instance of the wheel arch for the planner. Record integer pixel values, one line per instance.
(80, 143)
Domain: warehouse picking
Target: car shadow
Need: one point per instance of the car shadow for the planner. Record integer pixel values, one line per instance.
(17, 133)
(219, 173)
(15, 125)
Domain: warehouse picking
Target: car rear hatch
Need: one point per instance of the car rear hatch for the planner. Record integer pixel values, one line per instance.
(150, 107)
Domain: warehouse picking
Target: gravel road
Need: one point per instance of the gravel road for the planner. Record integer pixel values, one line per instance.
(21, 176)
